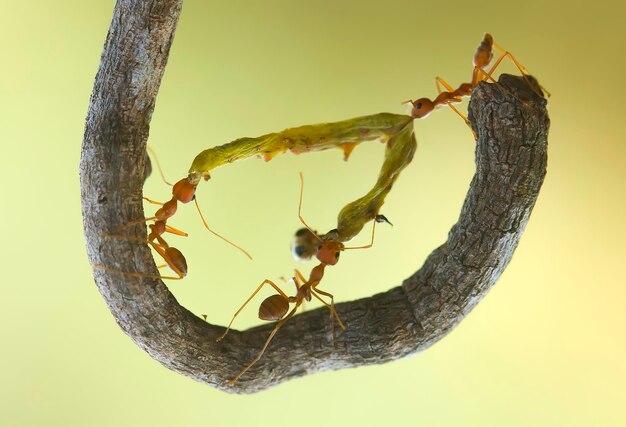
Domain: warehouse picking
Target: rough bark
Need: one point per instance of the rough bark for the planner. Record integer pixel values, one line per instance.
(510, 166)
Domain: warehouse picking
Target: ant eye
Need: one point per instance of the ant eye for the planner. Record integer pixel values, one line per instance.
(418, 105)
(300, 250)
(301, 232)
(337, 256)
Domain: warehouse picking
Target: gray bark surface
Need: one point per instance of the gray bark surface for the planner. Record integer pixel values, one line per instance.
(512, 125)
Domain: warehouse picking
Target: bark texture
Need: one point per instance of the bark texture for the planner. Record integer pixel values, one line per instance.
(512, 125)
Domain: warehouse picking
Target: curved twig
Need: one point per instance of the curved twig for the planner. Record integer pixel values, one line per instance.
(511, 164)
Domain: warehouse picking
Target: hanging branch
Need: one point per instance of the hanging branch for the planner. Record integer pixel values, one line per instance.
(510, 166)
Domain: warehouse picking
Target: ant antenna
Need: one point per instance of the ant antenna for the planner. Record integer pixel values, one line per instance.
(300, 209)
(156, 159)
(267, 343)
(373, 231)
(217, 234)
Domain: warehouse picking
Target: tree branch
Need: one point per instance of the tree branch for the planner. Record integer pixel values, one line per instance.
(510, 161)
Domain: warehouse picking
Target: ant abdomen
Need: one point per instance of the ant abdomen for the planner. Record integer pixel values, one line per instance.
(484, 54)
(176, 259)
(273, 307)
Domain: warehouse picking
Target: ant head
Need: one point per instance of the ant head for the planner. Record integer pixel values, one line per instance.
(184, 191)
(304, 245)
(328, 252)
(421, 108)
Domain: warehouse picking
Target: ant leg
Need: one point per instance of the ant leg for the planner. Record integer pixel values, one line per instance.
(300, 278)
(438, 82)
(153, 153)
(217, 234)
(139, 221)
(162, 244)
(333, 312)
(332, 318)
(179, 265)
(136, 274)
(449, 88)
(372, 241)
(175, 231)
(266, 281)
(267, 342)
(330, 306)
(488, 76)
(299, 281)
(161, 248)
(520, 67)
(438, 86)
(479, 75)
(154, 202)
(441, 82)
(464, 119)
(510, 55)
(295, 281)
(300, 208)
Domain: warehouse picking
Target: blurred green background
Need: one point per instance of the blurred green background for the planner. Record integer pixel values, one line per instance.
(545, 348)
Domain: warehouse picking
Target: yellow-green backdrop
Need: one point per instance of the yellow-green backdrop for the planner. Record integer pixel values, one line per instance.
(545, 348)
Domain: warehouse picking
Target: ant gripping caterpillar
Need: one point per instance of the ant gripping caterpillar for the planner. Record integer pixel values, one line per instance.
(352, 218)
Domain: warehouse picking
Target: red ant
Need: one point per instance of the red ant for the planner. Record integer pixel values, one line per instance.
(173, 257)
(482, 57)
(184, 192)
(276, 307)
